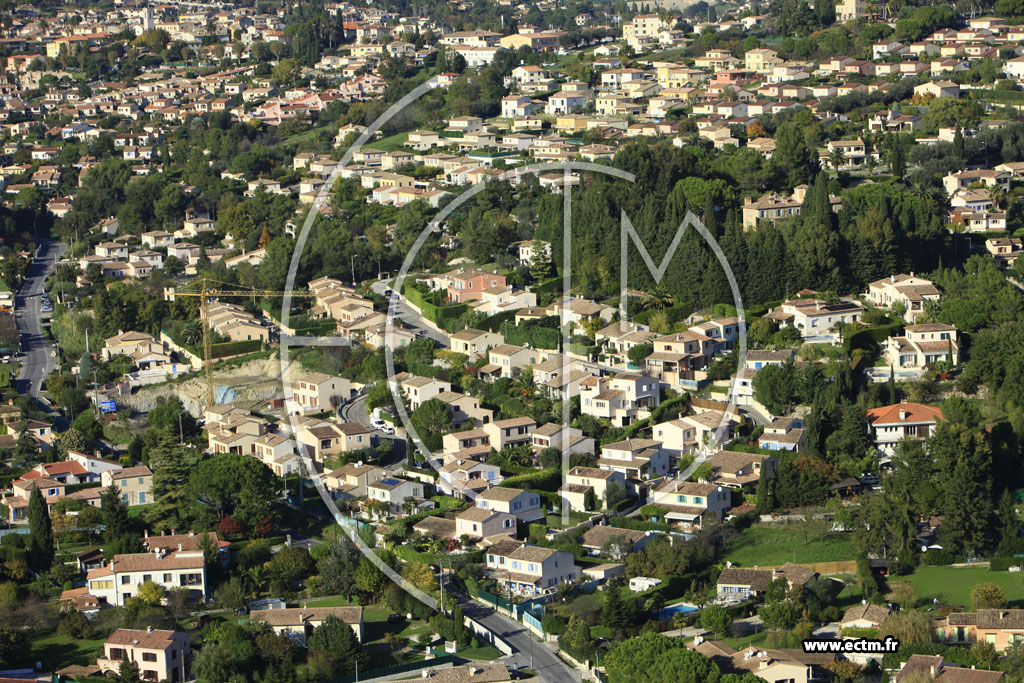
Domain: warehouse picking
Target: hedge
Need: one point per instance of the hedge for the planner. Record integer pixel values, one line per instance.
(235, 348)
(545, 480)
(1002, 564)
(429, 310)
(871, 337)
(538, 334)
(657, 416)
(494, 322)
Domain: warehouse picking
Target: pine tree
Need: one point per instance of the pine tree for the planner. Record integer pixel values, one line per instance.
(40, 532)
(613, 615)
(765, 502)
(127, 672)
(1009, 524)
(115, 514)
(171, 469)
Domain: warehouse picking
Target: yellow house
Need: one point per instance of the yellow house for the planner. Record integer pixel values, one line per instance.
(762, 60)
(571, 123)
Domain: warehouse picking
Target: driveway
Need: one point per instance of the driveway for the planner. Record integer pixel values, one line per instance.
(545, 662)
(38, 360)
(411, 318)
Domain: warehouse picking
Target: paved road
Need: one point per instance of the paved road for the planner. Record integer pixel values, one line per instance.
(38, 360)
(411, 318)
(545, 662)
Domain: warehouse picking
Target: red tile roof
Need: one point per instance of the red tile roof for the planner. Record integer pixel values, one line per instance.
(904, 413)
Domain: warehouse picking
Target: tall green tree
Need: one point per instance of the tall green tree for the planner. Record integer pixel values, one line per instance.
(336, 638)
(40, 532)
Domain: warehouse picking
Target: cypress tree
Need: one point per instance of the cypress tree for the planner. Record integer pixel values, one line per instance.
(41, 532)
(892, 385)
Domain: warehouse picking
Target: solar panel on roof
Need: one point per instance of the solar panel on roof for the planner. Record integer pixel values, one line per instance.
(389, 481)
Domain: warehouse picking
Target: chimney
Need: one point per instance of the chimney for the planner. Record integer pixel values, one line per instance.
(179, 547)
(191, 532)
(903, 414)
(932, 671)
(172, 531)
(145, 533)
(149, 629)
(892, 279)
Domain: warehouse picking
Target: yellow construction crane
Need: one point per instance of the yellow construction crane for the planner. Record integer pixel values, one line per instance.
(207, 290)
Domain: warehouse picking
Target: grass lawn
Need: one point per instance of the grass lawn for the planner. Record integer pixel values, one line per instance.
(756, 639)
(390, 144)
(554, 520)
(482, 653)
(56, 651)
(773, 544)
(953, 586)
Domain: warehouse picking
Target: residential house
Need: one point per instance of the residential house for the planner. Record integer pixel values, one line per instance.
(737, 470)
(134, 483)
(298, 623)
(479, 523)
(580, 480)
(529, 570)
(621, 399)
(318, 392)
(516, 431)
(120, 579)
(157, 654)
(613, 541)
(474, 342)
(394, 491)
(637, 459)
(814, 317)
(352, 480)
(783, 434)
(922, 345)
(736, 584)
(689, 503)
(891, 424)
(936, 669)
(909, 292)
(525, 505)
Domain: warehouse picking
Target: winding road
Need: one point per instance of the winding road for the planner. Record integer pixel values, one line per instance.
(38, 356)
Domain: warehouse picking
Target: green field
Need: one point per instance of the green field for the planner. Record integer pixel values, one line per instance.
(58, 651)
(953, 586)
(769, 545)
(390, 144)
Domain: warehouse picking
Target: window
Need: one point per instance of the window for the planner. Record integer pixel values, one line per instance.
(147, 577)
(149, 656)
(101, 585)
(168, 578)
(698, 500)
(141, 480)
(126, 580)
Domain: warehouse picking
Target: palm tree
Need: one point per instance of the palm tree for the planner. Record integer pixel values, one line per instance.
(525, 385)
(658, 298)
(837, 158)
(256, 580)
(193, 332)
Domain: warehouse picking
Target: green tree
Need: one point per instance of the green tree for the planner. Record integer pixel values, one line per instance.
(638, 353)
(127, 672)
(115, 514)
(654, 658)
(171, 471)
(235, 485)
(337, 639)
(40, 532)
(986, 595)
(716, 619)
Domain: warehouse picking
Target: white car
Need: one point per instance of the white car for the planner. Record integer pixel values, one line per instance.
(387, 429)
(378, 424)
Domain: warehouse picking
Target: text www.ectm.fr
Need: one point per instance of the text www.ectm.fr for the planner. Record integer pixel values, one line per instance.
(856, 645)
